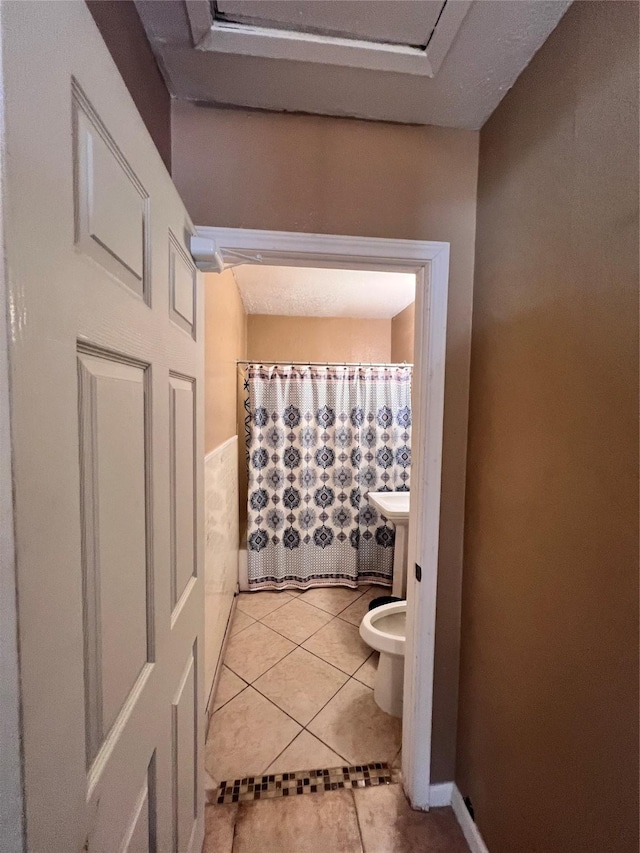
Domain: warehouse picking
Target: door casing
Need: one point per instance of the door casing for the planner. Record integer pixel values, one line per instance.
(430, 263)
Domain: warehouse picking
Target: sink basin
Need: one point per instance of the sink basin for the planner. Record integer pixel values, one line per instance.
(393, 505)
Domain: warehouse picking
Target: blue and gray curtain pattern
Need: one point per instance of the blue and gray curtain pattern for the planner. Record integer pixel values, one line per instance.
(319, 439)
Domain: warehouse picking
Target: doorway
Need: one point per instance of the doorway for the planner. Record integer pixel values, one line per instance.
(429, 262)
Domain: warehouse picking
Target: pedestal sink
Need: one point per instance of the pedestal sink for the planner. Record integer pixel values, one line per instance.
(394, 506)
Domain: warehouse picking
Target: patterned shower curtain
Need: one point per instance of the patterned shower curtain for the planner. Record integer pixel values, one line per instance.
(319, 439)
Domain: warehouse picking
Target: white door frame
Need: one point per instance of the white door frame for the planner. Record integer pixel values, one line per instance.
(430, 262)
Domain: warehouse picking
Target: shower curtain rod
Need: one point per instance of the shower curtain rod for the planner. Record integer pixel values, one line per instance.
(331, 363)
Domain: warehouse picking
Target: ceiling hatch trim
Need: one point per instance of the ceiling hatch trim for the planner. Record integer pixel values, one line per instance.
(212, 34)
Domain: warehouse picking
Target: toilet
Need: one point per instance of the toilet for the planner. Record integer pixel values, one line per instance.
(384, 629)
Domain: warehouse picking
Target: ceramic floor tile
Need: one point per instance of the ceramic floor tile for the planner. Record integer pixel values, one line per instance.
(255, 650)
(305, 753)
(258, 604)
(245, 736)
(333, 599)
(229, 685)
(389, 825)
(339, 644)
(354, 726)
(367, 672)
(209, 782)
(317, 823)
(355, 612)
(218, 828)
(240, 621)
(296, 620)
(301, 684)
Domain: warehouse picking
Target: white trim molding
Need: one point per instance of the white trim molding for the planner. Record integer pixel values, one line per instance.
(429, 261)
(246, 39)
(467, 823)
(440, 794)
(220, 447)
(295, 248)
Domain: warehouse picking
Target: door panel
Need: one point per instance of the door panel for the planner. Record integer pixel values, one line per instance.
(185, 723)
(106, 417)
(183, 464)
(183, 277)
(111, 205)
(141, 834)
(114, 509)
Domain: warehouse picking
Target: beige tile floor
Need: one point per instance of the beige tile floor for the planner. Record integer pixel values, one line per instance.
(364, 820)
(296, 687)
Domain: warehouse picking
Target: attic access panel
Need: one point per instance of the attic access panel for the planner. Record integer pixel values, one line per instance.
(402, 22)
(403, 36)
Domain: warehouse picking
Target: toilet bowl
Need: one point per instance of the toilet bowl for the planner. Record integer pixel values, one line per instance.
(384, 629)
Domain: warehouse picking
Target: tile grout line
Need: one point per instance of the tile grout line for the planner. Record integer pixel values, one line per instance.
(251, 683)
(325, 705)
(355, 808)
(242, 689)
(282, 710)
(306, 639)
(295, 738)
(350, 676)
(299, 597)
(304, 728)
(277, 607)
(298, 646)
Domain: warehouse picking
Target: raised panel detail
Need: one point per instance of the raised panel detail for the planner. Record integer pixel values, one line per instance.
(182, 287)
(184, 756)
(141, 834)
(111, 204)
(183, 483)
(113, 499)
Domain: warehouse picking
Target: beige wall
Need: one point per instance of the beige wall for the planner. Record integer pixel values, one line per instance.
(341, 176)
(335, 339)
(225, 343)
(548, 737)
(402, 327)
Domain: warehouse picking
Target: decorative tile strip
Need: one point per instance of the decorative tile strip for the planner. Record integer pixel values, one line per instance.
(304, 782)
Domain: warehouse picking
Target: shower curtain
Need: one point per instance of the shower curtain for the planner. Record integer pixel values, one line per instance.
(318, 440)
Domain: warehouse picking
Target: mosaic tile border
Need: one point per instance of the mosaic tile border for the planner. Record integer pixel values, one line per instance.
(304, 782)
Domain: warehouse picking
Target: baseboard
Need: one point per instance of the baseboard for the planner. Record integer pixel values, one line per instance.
(216, 677)
(440, 794)
(467, 823)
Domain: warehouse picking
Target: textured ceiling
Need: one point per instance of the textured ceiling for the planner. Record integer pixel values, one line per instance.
(306, 292)
(496, 41)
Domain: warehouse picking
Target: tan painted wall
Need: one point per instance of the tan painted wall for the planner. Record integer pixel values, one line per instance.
(225, 343)
(548, 735)
(341, 176)
(335, 339)
(402, 327)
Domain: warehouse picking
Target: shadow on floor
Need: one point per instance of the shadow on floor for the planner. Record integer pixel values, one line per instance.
(368, 820)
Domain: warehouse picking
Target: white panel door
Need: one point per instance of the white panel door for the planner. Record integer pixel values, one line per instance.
(106, 355)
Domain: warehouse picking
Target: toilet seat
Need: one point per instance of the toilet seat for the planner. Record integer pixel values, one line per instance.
(384, 628)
